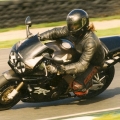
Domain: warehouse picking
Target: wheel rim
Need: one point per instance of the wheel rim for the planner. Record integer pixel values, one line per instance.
(104, 77)
(3, 97)
(99, 81)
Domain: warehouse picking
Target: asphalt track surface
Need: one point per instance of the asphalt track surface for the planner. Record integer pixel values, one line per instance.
(36, 111)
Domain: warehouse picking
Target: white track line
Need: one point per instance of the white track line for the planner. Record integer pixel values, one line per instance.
(81, 118)
(84, 113)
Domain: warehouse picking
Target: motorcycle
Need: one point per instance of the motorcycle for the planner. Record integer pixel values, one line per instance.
(29, 81)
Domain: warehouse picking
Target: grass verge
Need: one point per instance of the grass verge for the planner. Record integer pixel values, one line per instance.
(108, 32)
(109, 117)
(8, 43)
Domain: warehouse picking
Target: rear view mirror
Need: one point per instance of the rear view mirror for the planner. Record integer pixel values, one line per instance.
(28, 24)
(28, 21)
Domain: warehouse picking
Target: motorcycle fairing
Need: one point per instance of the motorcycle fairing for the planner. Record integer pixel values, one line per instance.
(29, 51)
(111, 42)
(44, 89)
(31, 48)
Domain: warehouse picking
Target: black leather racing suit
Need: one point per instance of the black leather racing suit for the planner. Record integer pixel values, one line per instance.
(88, 45)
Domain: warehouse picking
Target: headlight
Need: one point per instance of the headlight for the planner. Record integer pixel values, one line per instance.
(13, 58)
(16, 63)
(20, 67)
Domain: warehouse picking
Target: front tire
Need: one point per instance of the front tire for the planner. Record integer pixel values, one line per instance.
(5, 89)
(108, 75)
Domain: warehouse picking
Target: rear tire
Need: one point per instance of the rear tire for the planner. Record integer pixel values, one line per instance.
(109, 75)
(6, 103)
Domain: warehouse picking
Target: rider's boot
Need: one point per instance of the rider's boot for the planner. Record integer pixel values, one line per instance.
(78, 89)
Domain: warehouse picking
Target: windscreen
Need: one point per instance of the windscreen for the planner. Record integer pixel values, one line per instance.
(31, 47)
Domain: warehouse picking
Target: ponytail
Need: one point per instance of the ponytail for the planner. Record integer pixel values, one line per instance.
(91, 27)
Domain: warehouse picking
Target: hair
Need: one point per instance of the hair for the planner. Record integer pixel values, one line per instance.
(91, 27)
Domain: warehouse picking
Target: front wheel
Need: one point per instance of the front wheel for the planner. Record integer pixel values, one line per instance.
(7, 88)
(102, 80)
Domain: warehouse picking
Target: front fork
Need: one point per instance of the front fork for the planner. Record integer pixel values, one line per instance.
(10, 76)
(15, 91)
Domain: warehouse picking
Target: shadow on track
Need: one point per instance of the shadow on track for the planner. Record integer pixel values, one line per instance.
(109, 93)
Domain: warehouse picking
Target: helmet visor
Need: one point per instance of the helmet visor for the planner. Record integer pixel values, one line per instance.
(74, 27)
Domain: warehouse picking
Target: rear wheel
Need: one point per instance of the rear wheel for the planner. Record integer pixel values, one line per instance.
(7, 88)
(102, 80)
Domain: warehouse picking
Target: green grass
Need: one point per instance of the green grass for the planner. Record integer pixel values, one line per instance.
(105, 18)
(109, 117)
(99, 33)
(42, 25)
(53, 24)
(8, 43)
(108, 32)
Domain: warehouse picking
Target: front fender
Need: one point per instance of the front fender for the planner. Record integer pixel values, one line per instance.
(10, 75)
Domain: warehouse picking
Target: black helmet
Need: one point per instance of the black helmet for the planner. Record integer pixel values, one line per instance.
(77, 22)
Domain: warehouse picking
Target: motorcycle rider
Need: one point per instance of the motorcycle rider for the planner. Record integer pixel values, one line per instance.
(82, 35)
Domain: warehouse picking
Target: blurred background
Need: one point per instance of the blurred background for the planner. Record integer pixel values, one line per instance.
(14, 12)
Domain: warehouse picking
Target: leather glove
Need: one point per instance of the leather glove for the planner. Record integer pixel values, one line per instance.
(51, 68)
(56, 69)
